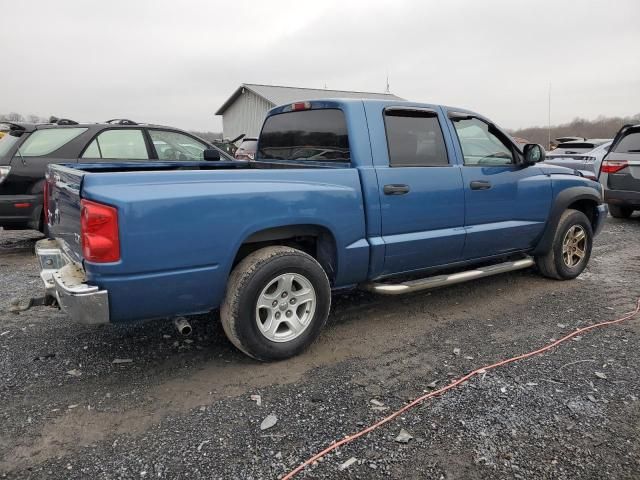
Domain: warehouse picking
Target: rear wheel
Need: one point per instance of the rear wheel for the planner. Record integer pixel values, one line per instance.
(617, 211)
(277, 302)
(571, 247)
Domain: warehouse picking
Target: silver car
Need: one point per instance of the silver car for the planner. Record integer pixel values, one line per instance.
(585, 156)
(620, 173)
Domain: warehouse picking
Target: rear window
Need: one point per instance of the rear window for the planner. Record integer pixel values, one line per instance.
(572, 145)
(6, 143)
(316, 135)
(630, 143)
(249, 144)
(43, 142)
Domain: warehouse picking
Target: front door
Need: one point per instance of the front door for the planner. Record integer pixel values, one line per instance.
(507, 204)
(421, 193)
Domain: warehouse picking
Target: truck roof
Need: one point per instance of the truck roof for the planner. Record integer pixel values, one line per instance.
(340, 102)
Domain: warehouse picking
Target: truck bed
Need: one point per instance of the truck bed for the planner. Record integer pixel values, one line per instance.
(181, 225)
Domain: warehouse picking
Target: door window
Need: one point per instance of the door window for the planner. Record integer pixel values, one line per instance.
(176, 146)
(480, 146)
(414, 139)
(125, 144)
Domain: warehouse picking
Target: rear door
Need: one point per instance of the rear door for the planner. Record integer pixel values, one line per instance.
(118, 144)
(420, 188)
(507, 204)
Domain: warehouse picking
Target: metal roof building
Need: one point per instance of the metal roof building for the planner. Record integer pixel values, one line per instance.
(244, 111)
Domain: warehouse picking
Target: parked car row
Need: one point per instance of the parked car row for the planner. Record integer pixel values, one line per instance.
(614, 162)
(27, 150)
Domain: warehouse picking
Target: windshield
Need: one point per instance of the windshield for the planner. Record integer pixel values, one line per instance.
(319, 135)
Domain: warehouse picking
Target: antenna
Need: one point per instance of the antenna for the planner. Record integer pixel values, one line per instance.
(549, 117)
(387, 90)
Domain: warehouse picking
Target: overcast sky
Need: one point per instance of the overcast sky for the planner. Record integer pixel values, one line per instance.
(175, 62)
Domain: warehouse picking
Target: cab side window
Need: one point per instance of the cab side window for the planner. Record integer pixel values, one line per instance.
(481, 147)
(415, 139)
(121, 143)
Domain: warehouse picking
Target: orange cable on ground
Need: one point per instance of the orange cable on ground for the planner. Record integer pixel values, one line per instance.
(454, 383)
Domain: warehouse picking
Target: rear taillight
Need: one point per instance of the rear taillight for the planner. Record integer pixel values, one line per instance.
(298, 106)
(613, 166)
(4, 172)
(99, 230)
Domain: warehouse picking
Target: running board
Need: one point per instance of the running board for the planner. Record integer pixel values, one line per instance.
(442, 280)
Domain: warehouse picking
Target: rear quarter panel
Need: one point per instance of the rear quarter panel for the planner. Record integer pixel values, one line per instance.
(180, 231)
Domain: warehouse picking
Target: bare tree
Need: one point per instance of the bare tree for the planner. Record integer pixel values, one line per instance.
(601, 127)
(13, 117)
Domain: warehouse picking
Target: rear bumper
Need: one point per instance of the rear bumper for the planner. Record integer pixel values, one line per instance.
(64, 280)
(20, 211)
(622, 197)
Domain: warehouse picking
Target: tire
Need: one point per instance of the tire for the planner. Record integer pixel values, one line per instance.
(281, 275)
(617, 211)
(555, 264)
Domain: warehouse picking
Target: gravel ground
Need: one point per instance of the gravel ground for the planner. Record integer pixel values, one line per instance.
(170, 407)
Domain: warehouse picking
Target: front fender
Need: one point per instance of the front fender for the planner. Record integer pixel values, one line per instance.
(561, 202)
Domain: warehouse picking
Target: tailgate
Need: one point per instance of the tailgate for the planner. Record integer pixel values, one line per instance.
(63, 206)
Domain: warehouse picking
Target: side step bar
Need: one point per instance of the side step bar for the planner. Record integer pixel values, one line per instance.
(442, 280)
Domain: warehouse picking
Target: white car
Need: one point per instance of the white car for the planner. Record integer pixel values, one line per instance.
(585, 156)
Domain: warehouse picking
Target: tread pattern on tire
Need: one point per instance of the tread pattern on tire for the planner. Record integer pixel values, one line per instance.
(239, 277)
(547, 263)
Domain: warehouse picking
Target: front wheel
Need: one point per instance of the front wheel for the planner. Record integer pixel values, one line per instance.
(277, 302)
(571, 247)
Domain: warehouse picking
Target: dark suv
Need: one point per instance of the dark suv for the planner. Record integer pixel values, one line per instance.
(27, 149)
(620, 173)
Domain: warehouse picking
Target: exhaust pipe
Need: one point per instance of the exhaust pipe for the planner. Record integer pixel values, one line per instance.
(183, 326)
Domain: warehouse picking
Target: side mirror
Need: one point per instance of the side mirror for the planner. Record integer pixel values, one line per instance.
(533, 153)
(211, 154)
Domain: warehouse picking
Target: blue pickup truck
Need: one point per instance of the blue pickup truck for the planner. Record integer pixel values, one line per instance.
(393, 197)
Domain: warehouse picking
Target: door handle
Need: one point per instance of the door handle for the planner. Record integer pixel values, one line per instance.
(396, 189)
(480, 185)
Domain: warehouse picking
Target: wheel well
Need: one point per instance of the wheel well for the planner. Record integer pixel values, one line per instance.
(586, 206)
(314, 240)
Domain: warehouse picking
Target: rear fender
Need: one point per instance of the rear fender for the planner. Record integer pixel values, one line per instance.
(325, 251)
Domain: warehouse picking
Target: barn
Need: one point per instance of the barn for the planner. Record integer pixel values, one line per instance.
(244, 111)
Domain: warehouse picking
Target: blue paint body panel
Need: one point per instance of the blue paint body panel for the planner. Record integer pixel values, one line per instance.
(181, 229)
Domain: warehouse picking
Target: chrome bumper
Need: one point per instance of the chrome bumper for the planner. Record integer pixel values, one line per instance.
(64, 281)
